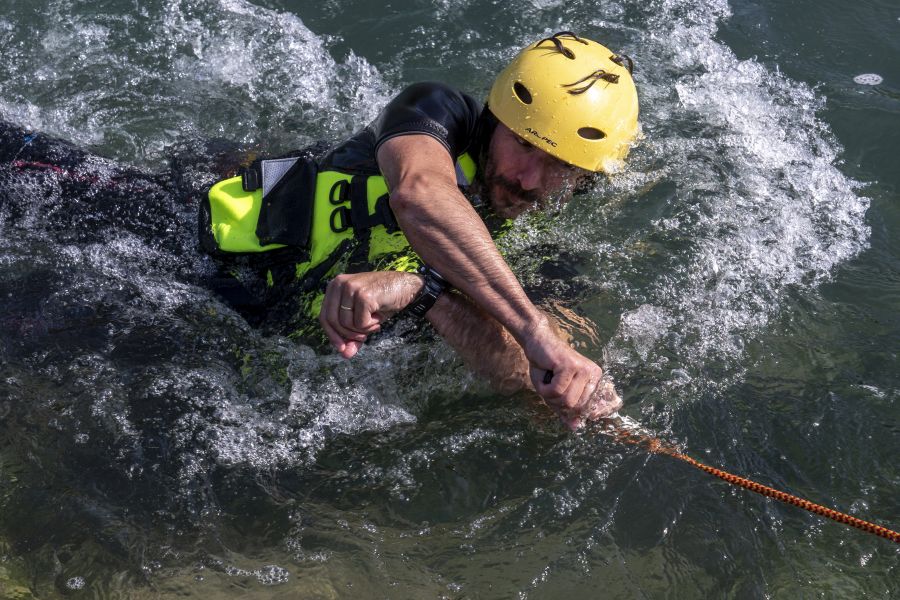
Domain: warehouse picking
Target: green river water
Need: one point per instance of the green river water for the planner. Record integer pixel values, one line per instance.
(740, 281)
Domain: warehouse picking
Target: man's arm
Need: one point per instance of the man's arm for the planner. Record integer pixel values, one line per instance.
(447, 233)
(444, 229)
(491, 352)
(484, 345)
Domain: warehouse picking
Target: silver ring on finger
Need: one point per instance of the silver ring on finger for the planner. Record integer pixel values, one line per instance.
(346, 307)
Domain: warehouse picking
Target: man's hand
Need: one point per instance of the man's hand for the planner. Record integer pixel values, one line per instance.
(577, 389)
(444, 229)
(356, 304)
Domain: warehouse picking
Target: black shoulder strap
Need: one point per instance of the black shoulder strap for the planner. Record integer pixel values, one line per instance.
(360, 218)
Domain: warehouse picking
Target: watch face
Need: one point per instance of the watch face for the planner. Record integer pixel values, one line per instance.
(433, 287)
(433, 279)
(424, 302)
(432, 274)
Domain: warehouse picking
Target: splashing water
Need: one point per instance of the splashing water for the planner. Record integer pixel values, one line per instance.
(135, 376)
(751, 204)
(747, 205)
(248, 72)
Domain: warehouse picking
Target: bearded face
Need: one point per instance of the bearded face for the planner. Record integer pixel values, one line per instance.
(519, 176)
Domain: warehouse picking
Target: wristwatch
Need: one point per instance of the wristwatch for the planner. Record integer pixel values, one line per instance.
(431, 291)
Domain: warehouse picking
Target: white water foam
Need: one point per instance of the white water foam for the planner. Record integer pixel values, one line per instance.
(759, 204)
(248, 73)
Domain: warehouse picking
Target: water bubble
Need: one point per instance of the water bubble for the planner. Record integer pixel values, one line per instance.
(868, 79)
(680, 377)
(75, 583)
(271, 575)
(267, 575)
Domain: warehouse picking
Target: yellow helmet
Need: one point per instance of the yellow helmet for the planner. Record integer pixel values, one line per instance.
(571, 97)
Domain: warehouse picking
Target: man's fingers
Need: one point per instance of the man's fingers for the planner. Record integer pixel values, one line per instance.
(339, 341)
(330, 317)
(340, 314)
(345, 310)
(555, 391)
(587, 396)
(347, 348)
(573, 423)
(363, 314)
(336, 339)
(359, 311)
(351, 349)
(586, 399)
(577, 402)
(356, 305)
(606, 401)
(355, 314)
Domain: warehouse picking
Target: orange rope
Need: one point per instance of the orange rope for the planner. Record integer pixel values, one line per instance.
(656, 446)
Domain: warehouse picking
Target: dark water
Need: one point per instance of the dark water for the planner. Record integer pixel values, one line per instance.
(741, 281)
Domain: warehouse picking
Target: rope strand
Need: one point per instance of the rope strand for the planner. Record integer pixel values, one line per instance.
(656, 446)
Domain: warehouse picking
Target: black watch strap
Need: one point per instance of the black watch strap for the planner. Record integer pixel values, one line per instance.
(431, 291)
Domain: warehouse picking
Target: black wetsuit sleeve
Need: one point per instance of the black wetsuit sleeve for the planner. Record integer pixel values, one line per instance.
(433, 109)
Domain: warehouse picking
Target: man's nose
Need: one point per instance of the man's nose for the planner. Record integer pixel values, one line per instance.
(531, 174)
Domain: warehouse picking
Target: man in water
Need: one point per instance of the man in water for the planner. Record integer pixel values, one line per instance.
(564, 109)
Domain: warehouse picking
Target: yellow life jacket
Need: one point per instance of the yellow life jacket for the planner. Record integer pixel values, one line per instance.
(289, 206)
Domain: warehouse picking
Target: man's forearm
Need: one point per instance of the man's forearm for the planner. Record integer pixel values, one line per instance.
(489, 350)
(371, 297)
(444, 229)
(484, 344)
(461, 250)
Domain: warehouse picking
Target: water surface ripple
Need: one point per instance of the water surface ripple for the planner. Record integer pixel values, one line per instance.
(739, 280)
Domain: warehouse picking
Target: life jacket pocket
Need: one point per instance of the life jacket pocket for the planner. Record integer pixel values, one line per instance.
(269, 206)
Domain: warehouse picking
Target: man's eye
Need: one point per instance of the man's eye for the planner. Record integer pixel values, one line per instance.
(564, 167)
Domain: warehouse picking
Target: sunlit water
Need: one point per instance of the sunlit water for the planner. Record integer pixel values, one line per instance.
(739, 280)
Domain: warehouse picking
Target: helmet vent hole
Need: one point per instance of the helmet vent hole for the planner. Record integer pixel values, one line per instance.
(591, 133)
(522, 93)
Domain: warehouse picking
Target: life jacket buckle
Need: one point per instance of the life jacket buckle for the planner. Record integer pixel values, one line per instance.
(342, 187)
(250, 178)
(341, 213)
